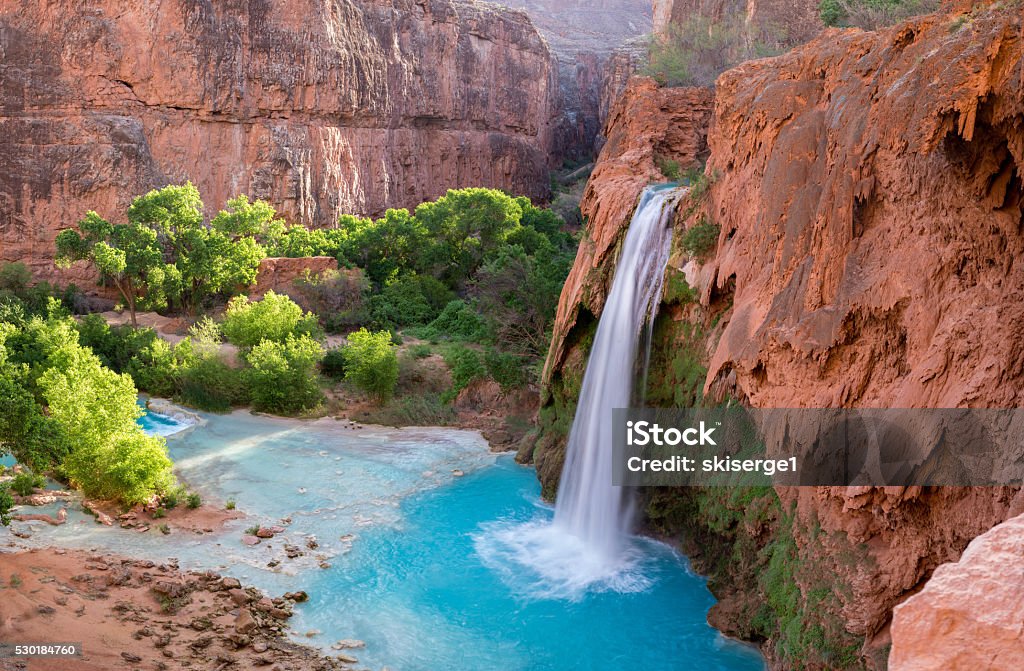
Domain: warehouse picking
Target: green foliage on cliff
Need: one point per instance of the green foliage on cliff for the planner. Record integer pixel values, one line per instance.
(695, 51)
(6, 503)
(872, 14)
(700, 238)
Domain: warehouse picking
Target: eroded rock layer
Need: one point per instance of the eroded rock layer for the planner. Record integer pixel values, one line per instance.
(319, 107)
(970, 614)
(867, 189)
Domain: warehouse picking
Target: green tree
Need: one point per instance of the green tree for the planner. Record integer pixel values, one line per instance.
(275, 317)
(111, 456)
(467, 224)
(126, 255)
(206, 260)
(371, 363)
(283, 377)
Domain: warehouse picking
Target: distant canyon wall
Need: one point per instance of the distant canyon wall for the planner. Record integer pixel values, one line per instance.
(320, 108)
(588, 39)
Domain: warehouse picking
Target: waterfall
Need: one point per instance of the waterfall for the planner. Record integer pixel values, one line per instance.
(588, 505)
(587, 547)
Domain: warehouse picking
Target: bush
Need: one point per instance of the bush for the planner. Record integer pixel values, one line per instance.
(372, 364)
(458, 321)
(409, 300)
(6, 503)
(283, 377)
(465, 367)
(333, 363)
(421, 351)
(158, 368)
(275, 318)
(508, 370)
(25, 483)
(669, 167)
(116, 346)
(209, 383)
(193, 501)
(112, 457)
(424, 409)
(700, 238)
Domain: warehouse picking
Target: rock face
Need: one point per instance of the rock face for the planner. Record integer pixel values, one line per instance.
(318, 107)
(970, 613)
(795, 21)
(868, 191)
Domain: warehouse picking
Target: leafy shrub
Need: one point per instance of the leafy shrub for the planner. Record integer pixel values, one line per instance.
(465, 366)
(15, 277)
(283, 376)
(114, 345)
(159, 513)
(372, 364)
(158, 368)
(333, 363)
(669, 167)
(24, 483)
(112, 457)
(409, 300)
(274, 318)
(6, 503)
(421, 351)
(424, 409)
(211, 384)
(229, 504)
(508, 370)
(457, 321)
(700, 238)
(193, 501)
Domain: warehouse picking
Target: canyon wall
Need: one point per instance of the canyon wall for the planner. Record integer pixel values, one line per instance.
(797, 20)
(585, 36)
(868, 196)
(319, 107)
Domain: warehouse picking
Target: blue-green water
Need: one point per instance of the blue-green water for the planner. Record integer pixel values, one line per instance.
(432, 570)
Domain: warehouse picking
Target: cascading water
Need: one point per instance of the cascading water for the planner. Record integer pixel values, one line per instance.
(588, 547)
(589, 506)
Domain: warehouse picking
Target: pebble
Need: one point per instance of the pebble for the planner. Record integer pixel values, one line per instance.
(250, 540)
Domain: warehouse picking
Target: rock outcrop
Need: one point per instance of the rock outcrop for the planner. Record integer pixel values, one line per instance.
(320, 108)
(868, 190)
(970, 614)
(278, 274)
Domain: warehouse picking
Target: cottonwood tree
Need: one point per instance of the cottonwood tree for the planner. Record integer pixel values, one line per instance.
(126, 255)
(206, 259)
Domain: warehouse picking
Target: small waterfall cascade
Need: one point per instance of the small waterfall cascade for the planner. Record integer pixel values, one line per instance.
(588, 506)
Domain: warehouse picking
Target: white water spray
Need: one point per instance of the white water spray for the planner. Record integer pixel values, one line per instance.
(589, 507)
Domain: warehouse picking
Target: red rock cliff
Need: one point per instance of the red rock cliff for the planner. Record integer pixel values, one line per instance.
(868, 189)
(319, 107)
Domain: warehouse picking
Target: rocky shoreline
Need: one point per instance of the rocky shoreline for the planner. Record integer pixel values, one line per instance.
(139, 614)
